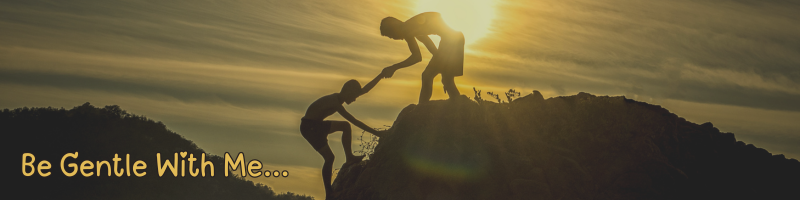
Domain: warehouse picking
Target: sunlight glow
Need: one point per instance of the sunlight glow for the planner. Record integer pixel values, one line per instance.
(472, 17)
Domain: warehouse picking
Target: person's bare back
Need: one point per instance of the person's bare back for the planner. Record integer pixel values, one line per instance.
(323, 107)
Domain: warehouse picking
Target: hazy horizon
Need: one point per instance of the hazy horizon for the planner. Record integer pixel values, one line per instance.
(237, 76)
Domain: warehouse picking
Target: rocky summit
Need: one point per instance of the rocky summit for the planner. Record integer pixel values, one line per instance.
(572, 147)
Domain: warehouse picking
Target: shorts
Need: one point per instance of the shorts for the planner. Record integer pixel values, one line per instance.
(315, 132)
(449, 61)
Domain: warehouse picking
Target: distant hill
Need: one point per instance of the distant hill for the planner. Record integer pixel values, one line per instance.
(99, 133)
(573, 147)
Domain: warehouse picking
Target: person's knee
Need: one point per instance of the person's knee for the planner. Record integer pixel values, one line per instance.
(346, 126)
(329, 159)
(326, 153)
(448, 80)
(340, 126)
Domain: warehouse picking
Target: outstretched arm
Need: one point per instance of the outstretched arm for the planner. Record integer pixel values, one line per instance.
(372, 83)
(353, 120)
(415, 57)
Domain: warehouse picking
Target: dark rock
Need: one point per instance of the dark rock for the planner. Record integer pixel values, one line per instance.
(573, 147)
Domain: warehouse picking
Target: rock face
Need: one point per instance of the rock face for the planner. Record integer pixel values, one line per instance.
(575, 147)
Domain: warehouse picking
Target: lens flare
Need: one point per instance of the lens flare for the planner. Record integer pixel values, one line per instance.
(447, 163)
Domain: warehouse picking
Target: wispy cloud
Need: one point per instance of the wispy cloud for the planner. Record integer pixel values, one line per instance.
(204, 67)
(705, 45)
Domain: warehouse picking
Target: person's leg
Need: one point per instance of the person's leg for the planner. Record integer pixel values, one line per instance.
(327, 168)
(347, 140)
(427, 84)
(450, 86)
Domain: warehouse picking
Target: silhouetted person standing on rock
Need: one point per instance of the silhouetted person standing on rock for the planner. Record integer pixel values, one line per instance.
(315, 128)
(447, 60)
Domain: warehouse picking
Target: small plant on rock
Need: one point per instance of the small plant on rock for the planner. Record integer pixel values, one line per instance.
(368, 144)
(511, 94)
(477, 95)
(495, 96)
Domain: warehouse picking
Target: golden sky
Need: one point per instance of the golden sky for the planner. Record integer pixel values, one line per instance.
(236, 76)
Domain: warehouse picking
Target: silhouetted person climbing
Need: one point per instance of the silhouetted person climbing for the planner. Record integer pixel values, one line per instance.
(315, 128)
(447, 60)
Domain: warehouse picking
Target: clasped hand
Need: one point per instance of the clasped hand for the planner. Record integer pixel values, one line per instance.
(388, 72)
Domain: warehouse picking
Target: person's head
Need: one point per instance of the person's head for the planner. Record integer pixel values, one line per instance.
(350, 91)
(392, 27)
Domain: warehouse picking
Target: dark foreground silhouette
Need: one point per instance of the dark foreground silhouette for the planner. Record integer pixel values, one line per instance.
(447, 59)
(575, 147)
(97, 134)
(315, 129)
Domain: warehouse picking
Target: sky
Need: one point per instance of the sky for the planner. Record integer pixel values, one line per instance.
(237, 76)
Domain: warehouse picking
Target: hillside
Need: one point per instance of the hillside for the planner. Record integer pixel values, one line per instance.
(574, 147)
(99, 133)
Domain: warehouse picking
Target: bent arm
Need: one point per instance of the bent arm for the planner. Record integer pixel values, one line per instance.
(353, 120)
(426, 40)
(415, 57)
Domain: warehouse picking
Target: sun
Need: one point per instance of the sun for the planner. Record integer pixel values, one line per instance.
(472, 17)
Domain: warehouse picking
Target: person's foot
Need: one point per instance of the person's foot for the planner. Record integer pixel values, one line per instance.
(353, 160)
(460, 98)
